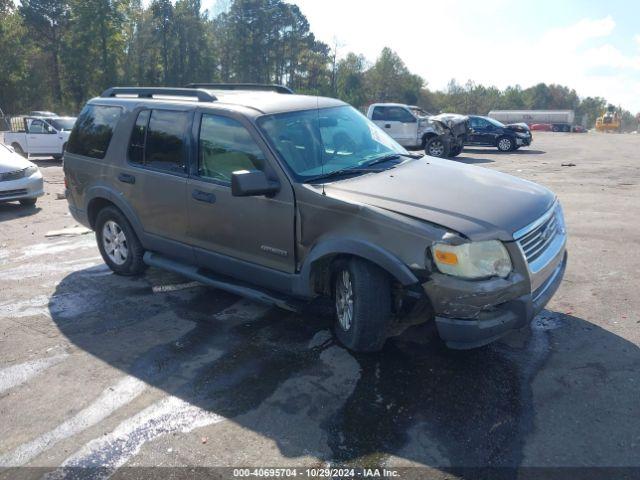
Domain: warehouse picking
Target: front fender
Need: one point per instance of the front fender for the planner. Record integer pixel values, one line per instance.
(358, 248)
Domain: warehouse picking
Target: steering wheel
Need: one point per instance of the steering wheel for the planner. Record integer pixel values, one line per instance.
(342, 141)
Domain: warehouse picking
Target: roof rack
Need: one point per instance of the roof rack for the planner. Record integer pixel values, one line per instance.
(150, 92)
(259, 87)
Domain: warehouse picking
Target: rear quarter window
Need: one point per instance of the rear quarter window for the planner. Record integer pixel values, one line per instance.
(93, 130)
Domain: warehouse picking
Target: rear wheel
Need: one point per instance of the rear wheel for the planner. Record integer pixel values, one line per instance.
(505, 144)
(435, 147)
(18, 149)
(362, 296)
(118, 243)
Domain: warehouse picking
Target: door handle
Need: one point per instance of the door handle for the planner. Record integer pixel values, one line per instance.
(126, 178)
(387, 125)
(201, 196)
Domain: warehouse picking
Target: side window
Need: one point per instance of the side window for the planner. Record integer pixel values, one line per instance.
(139, 137)
(398, 114)
(93, 131)
(225, 147)
(165, 144)
(37, 126)
(379, 113)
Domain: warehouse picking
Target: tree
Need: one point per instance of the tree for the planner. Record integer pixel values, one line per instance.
(390, 80)
(350, 79)
(47, 20)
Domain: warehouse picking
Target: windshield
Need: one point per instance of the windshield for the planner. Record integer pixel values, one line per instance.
(318, 142)
(62, 124)
(494, 122)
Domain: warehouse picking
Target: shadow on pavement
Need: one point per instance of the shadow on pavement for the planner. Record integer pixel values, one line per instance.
(11, 210)
(284, 377)
(495, 151)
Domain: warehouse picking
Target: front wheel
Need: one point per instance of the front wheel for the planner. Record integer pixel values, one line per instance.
(362, 296)
(435, 147)
(505, 144)
(118, 244)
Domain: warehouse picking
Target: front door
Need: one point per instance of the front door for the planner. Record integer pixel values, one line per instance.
(40, 138)
(258, 230)
(480, 132)
(398, 122)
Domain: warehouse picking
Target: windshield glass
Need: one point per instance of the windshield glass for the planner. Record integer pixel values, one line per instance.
(318, 142)
(494, 122)
(62, 123)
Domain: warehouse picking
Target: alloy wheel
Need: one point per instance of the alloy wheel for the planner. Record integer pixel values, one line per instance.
(344, 300)
(114, 242)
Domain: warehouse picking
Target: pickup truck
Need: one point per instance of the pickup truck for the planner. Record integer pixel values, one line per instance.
(440, 136)
(41, 136)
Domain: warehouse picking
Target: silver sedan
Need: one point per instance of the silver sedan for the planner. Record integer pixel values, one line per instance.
(20, 179)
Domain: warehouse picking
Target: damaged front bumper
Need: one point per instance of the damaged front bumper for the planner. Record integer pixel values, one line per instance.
(473, 314)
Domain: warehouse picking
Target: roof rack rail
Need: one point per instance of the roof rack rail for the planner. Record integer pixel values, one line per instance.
(149, 92)
(260, 87)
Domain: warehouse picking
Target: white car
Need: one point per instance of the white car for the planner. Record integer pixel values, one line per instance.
(20, 179)
(41, 136)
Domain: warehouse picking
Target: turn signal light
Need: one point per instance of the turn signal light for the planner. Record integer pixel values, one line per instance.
(448, 258)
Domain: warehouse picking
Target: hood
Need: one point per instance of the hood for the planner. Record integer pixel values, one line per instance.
(479, 203)
(519, 127)
(10, 161)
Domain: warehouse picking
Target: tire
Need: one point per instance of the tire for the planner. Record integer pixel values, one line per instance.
(114, 230)
(455, 151)
(365, 329)
(435, 147)
(18, 149)
(555, 129)
(28, 202)
(505, 144)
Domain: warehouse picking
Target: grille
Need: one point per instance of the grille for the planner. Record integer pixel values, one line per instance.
(535, 242)
(13, 193)
(15, 175)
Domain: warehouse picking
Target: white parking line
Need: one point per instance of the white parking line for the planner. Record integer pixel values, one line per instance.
(108, 402)
(113, 450)
(171, 414)
(18, 374)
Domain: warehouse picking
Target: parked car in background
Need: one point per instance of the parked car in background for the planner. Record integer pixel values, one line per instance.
(487, 132)
(314, 200)
(20, 180)
(541, 127)
(439, 136)
(39, 136)
(579, 129)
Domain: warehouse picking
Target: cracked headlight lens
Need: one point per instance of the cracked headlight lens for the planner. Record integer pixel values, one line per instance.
(473, 260)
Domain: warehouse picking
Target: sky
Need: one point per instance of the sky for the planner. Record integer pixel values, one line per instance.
(592, 46)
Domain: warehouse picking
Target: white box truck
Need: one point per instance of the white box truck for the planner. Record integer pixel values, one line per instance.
(561, 120)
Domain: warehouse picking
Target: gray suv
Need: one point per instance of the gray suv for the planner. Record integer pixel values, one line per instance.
(284, 198)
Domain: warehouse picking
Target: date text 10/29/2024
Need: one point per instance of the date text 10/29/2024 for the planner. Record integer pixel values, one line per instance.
(315, 473)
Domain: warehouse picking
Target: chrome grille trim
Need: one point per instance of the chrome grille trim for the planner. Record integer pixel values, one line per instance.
(542, 243)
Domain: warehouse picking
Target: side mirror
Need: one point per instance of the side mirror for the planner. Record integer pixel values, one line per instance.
(252, 183)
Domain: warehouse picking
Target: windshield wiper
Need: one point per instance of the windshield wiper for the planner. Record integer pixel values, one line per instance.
(340, 172)
(391, 156)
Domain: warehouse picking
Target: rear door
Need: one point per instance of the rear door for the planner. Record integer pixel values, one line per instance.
(258, 230)
(154, 179)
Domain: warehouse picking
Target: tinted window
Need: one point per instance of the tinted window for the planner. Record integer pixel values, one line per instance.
(226, 147)
(397, 114)
(93, 131)
(379, 113)
(138, 138)
(165, 145)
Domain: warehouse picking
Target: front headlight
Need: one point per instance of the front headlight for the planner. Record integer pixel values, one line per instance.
(473, 260)
(30, 170)
(522, 134)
